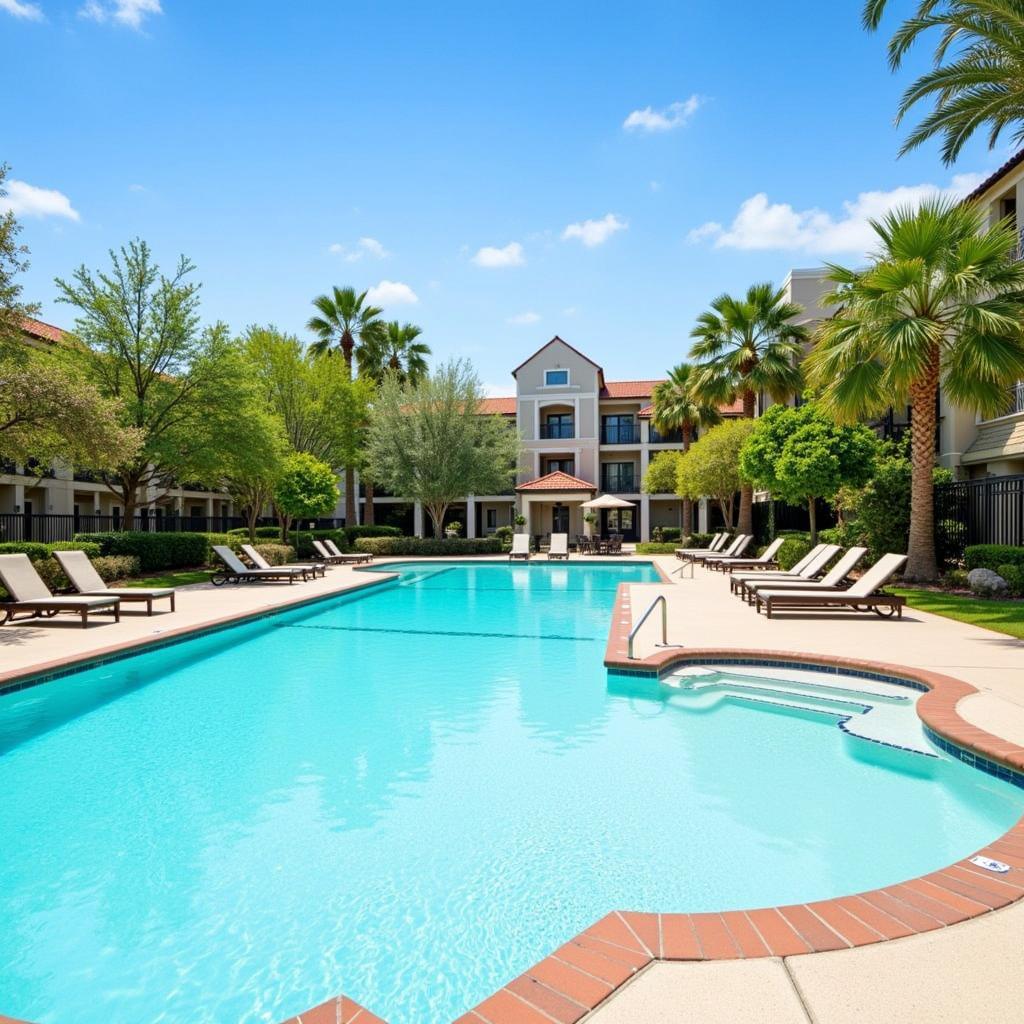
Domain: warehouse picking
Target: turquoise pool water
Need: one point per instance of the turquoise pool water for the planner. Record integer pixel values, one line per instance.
(410, 796)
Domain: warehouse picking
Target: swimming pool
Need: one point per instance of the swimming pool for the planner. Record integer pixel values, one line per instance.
(410, 795)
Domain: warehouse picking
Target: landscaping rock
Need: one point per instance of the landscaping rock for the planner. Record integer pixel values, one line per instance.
(986, 583)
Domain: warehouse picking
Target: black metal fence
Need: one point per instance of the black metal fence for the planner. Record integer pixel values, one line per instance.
(772, 517)
(49, 528)
(989, 511)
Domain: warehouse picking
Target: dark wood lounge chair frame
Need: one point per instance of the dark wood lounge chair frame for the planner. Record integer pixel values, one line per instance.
(11, 608)
(226, 575)
(859, 603)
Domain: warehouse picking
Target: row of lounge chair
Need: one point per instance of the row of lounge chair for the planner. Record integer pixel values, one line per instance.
(29, 594)
(558, 549)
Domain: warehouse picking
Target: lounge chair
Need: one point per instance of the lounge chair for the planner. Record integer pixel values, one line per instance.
(717, 561)
(715, 545)
(809, 567)
(87, 581)
(865, 595)
(834, 579)
(739, 543)
(346, 557)
(259, 562)
(766, 560)
(559, 547)
(236, 572)
(520, 547)
(30, 594)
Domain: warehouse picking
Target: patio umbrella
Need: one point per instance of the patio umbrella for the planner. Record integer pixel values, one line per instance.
(607, 501)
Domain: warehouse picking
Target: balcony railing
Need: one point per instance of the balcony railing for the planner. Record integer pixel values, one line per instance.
(671, 437)
(86, 476)
(1015, 400)
(619, 483)
(622, 433)
(33, 467)
(557, 431)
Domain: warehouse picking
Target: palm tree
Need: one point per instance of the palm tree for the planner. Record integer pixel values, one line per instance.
(982, 82)
(746, 347)
(676, 407)
(391, 349)
(941, 304)
(343, 322)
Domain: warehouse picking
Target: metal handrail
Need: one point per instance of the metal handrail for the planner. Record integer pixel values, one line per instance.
(660, 599)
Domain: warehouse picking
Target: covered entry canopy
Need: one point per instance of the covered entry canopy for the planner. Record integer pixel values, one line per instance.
(607, 501)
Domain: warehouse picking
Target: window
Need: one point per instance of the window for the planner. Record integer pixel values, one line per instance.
(558, 425)
(618, 477)
(492, 519)
(555, 378)
(560, 466)
(619, 429)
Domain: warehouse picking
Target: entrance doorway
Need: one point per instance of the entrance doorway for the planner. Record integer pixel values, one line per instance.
(560, 519)
(619, 520)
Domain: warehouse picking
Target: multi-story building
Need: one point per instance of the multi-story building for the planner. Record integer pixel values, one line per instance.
(52, 502)
(582, 436)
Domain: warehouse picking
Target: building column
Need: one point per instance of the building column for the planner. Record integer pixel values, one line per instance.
(525, 512)
(417, 519)
(702, 515)
(645, 518)
(19, 498)
(470, 515)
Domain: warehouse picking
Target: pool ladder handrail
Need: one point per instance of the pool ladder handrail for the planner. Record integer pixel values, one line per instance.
(660, 599)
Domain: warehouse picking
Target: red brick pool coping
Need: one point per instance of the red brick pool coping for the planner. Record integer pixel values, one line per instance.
(582, 973)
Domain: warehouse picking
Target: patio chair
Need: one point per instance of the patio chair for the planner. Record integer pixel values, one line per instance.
(766, 560)
(236, 572)
(834, 579)
(28, 593)
(717, 561)
(559, 546)
(260, 562)
(716, 544)
(865, 595)
(583, 544)
(615, 544)
(807, 568)
(88, 582)
(701, 555)
(520, 547)
(347, 557)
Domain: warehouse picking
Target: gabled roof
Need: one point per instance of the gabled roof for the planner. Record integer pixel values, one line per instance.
(629, 388)
(557, 481)
(600, 372)
(1011, 164)
(498, 406)
(41, 331)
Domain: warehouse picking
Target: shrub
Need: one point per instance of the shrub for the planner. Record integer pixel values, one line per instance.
(696, 540)
(302, 541)
(1014, 576)
(353, 533)
(665, 534)
(992, 556)
(504, 533)
(116, 567)
(656, 548)
(36, 550)
(272, 532)
(955, 579)
(794, 547)
(429, 546)
(276, 554)
(157, 551)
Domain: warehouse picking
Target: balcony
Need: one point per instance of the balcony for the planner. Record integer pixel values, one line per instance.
(1014, 400)
(8, 466)
(621, 482)
(621, 433)
(671, 437)
(33, 467)
(86, 476)
(557, 431)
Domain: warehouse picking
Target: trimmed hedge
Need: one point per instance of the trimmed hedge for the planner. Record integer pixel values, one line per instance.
(37, 550)
(302, 541)
(271, 532)
(276, 554)
(156, 551)
(353, 533)
(794, 547)
(992, 556)
(428, 546)
(665, 533)
(656, 548)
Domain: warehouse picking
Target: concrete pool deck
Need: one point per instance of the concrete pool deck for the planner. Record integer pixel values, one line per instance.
(966, 972)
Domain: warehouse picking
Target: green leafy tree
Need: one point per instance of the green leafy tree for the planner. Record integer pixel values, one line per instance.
(977, 81)
(392, 349)
(801, 454)
(711, 468)
(678, 407)
(305, 489)
(746, 346)
(13, 261)
(941, 303)
(429, 442)
(662, 473)
(179, 386)
(344, 320)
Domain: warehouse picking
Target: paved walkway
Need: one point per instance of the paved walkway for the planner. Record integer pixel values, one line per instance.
(968, 973)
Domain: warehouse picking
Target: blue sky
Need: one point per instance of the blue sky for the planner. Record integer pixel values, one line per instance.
(499, 173)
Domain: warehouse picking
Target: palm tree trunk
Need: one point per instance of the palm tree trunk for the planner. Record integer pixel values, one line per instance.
(350, 497)
(921, 564)
(687, 502)
(812, 518)
(368, 515)
(746, 517)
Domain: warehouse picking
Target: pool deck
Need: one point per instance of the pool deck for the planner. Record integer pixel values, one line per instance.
(735, 968)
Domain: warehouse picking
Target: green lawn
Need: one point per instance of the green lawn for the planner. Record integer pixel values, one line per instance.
(172, 578)
(1002, 616)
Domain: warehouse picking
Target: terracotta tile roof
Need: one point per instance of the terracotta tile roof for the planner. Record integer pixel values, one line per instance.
(498, 406)
(733, 409)
(43, 331)
(629, 388)
(557, 481)
(1010, 164)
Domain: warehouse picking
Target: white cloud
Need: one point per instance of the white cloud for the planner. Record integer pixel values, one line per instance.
(760, 224)
(131, 13)
(509, 256)
(675, 115)
(569, 311)
(523, 319)
(391, 293)
(137, 188)
(654, 186)
(31, 12)
(24, 200)
(497, 391)
(595, 232)
(364, 247)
